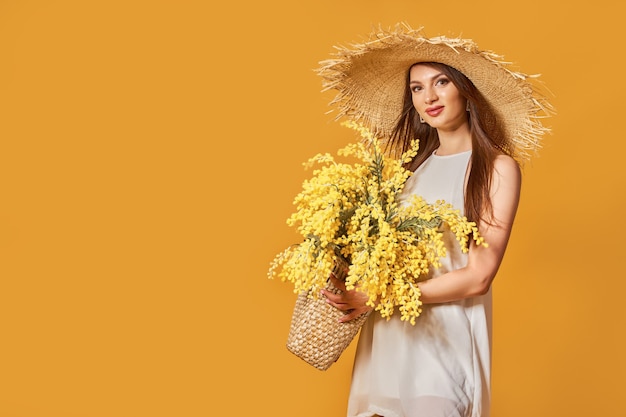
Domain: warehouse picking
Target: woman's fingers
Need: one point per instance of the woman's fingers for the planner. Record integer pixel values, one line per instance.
(353, 314)
(336, 300)
(353, 303)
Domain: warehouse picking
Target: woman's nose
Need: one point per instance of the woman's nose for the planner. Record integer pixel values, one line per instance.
(431, 97)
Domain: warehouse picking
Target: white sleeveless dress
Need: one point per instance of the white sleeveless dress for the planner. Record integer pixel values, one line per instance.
(439, 367)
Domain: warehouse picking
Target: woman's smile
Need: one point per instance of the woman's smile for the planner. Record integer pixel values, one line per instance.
(434, 110)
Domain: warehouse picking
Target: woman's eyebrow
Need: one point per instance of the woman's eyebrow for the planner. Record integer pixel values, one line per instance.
(434, 77)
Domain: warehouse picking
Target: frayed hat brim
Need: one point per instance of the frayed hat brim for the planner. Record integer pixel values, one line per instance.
(370, 79)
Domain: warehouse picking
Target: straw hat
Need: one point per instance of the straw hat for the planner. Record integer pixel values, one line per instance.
(370, 78)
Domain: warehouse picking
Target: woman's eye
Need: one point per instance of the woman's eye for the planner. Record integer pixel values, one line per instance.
(416, 88)
(442, 81)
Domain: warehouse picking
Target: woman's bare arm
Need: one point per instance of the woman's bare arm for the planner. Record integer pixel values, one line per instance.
(483, 262)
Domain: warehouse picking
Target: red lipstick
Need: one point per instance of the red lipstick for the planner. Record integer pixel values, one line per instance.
(434, 111)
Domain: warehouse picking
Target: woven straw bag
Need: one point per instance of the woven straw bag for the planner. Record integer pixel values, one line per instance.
(315, 335)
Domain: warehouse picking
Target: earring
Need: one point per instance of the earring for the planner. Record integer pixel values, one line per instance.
(422, 119)
(467, 106)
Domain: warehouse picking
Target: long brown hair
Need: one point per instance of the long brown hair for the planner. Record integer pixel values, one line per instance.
(487, 141)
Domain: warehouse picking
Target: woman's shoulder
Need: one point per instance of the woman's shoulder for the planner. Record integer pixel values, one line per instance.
(505, 162)
(506, 168)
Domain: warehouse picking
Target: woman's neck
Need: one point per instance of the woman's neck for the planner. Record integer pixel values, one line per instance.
(454, 142)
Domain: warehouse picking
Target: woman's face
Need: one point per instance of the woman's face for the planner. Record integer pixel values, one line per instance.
(436, 98)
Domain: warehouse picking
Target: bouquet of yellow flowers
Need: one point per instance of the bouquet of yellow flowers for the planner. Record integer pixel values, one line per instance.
(352, 214)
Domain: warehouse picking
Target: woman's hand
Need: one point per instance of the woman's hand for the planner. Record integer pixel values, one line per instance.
(352, 302)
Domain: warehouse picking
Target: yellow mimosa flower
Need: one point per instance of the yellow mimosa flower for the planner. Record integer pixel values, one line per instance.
(352, 211)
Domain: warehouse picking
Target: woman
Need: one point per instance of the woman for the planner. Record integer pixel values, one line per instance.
(475, 120)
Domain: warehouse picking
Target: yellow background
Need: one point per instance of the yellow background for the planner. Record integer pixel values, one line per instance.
(149, 153)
